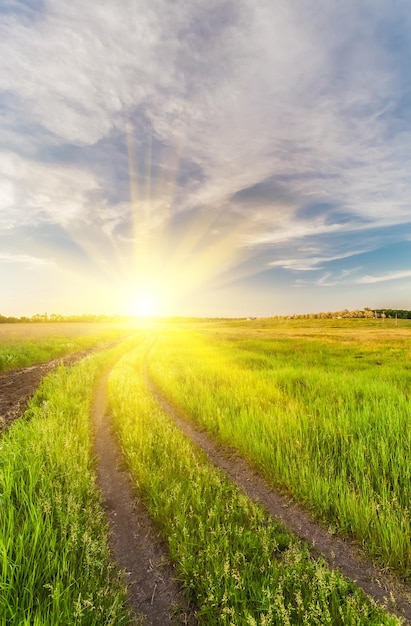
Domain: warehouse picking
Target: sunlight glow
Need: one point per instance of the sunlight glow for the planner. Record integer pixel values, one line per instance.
(175, 261)
(144, 304)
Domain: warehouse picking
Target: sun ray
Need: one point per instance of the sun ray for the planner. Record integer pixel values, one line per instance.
(177, 252)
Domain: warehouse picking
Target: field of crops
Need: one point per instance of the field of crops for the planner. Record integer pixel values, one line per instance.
(320, 409)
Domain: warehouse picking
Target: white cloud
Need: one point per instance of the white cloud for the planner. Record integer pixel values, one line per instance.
(314, 263)
(43, 192)
(75, 66)
(331, 279)
(294, 229)
(25, 259)
(384, 277)
(302, 92)
(327, 280)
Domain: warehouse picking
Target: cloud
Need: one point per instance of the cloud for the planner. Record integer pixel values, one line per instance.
(35, 192)
(289, 229)
(25, 259)
(330, 279)
(229, 67)
(384, 277)
(282, 122)
(313, 263)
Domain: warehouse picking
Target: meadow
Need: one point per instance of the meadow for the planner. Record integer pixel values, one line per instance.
(320, 408)
(238, 565)
(23, 345)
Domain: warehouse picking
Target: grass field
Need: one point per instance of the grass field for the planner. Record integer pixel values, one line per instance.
(239, 566)
(322, 410)
(22, 345)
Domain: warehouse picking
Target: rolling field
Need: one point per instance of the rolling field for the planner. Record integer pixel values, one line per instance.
(320, 409)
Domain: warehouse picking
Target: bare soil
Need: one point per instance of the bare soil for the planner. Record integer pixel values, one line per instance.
(17, 387)
(153, 590)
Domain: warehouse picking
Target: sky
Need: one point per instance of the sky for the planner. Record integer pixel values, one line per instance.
(204, 157)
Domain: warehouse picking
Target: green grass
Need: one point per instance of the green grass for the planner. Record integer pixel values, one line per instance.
(55, 565)
(238, 565)
(22, 345)
(323, 413)
(321, 409)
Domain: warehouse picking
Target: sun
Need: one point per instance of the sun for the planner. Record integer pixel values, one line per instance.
(149, 298)
(144, 305)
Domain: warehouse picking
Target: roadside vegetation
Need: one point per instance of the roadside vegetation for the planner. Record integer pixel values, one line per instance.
(237, 564)
(322, 412)
(55, 565)
(22, 345)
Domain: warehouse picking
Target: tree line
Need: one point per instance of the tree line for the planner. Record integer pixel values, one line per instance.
(366, 313)
(45, 318)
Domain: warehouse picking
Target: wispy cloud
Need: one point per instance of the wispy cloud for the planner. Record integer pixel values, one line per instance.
(330, 279)
(384, 277)
(25, 259)
(314, 263)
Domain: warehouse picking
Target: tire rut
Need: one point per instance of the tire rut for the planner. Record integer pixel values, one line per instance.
(153, 590)
(342, 555)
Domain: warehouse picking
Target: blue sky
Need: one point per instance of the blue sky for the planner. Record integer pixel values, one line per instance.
(237, 157)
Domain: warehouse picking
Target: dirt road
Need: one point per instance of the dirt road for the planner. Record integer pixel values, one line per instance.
(153, 590)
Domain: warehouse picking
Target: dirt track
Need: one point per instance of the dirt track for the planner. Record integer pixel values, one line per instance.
(342, 555)
(153, 590)
(151, 581)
